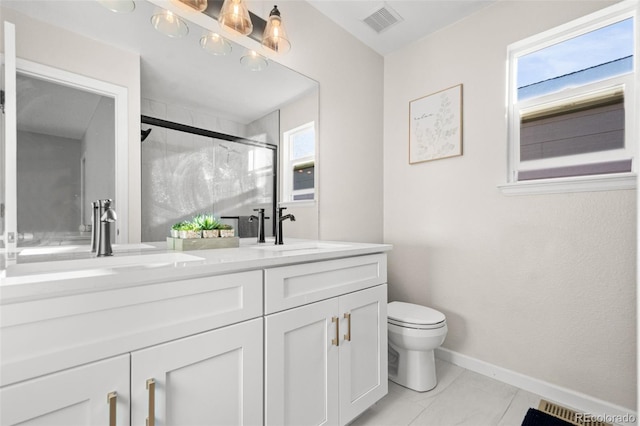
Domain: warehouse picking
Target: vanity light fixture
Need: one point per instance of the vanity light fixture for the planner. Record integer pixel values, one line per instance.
(169, 24)
(254, 61)
(275, 37)
(118, 6)
(199, 5)
(215, 44)
(234, 16)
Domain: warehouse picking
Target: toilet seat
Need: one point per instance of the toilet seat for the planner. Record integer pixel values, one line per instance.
(410, 315)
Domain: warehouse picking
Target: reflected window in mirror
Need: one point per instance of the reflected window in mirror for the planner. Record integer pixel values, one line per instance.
(299, 157)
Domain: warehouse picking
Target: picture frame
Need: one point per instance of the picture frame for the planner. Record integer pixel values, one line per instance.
(435, 126)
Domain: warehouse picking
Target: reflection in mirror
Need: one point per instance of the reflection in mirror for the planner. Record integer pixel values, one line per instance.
(65, 159)
(183, 83)
(187, 171)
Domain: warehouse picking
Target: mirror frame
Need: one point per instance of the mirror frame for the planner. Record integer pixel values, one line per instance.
(120, 96)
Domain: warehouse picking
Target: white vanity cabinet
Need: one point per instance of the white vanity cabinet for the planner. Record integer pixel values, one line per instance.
(92, 394)
(325, 361)
(214, 378)
(200, 340)
(290, 341)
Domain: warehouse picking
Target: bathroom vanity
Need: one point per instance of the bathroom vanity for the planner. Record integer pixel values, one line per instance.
(260, 334)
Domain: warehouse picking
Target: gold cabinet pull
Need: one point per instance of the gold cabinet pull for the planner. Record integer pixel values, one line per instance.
(151, 387)
(112, 400)
(348, 335)
(336, 341)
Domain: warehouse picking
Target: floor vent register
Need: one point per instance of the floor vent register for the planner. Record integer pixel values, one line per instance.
(568, 415)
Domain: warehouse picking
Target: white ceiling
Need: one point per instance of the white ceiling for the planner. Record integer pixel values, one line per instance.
(53, 109)
(418, 18)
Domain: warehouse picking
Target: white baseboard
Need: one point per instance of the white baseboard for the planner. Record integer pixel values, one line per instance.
(578, 401)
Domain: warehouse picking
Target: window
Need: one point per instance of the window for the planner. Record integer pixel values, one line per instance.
(572, 104)
(299, 150)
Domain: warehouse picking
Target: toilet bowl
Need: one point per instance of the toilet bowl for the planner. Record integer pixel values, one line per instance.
(414, 332)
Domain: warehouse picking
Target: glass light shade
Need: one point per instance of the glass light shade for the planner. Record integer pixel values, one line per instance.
(234, 16)
(199, 5)
(275, 36)
(215, 44)
(118, 6)
(169, 24)
(253, 61)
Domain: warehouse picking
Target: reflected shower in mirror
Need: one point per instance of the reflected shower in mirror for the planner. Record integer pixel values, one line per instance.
(188, 171)
(63, 133)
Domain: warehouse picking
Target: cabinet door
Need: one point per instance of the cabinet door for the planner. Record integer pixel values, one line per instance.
(213, 378)
(363, 350)
(301, 366)
(79, 396)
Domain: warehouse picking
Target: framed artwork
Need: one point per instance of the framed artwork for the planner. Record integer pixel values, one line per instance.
(435, 126)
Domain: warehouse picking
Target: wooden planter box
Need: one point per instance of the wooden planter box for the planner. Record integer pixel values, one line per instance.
(184, 244)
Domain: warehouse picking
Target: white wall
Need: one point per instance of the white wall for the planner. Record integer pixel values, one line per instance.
(99, 158)
(55, 47)
(295, 114)
(350, 75)
(540, 284)
(48, 184)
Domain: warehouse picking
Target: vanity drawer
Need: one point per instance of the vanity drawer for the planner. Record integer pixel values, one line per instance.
(295, 285)
(39, 337)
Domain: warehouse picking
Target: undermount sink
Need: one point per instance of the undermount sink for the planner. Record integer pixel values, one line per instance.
(297, 248)
(38, 251)
(101, 265)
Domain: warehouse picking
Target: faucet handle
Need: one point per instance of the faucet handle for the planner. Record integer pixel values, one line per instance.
(106, 203)
(109, 216)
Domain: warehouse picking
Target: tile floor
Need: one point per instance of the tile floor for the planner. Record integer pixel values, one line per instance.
(461, 397)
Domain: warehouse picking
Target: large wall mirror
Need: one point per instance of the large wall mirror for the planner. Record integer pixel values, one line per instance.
(182, 174)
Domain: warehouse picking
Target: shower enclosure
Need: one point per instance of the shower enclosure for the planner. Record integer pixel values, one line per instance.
(188, 170)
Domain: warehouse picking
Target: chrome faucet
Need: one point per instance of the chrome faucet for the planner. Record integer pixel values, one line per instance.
(95, 225)
(281, 219)
(260, 218)
(107, 216)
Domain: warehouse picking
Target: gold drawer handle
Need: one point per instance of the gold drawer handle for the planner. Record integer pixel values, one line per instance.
(348, 335)
(151, 387)
(336, 341)
(112, 400)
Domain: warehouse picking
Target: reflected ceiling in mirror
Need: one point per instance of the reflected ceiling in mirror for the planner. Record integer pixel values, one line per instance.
(177, 71)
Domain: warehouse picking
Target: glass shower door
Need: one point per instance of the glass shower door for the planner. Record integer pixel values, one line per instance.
(189, 171)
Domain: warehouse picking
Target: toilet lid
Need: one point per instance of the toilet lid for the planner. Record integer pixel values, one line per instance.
(414, 314)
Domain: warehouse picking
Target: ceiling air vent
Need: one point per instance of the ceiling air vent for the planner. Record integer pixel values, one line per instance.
(382, 19)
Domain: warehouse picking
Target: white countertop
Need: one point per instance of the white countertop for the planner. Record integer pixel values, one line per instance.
(43, 272)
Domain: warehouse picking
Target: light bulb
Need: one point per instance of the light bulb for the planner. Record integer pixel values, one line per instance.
(234, 16)
(169, 24)
(253, 61)
(199, 5)
(215, 44)
(275, 36)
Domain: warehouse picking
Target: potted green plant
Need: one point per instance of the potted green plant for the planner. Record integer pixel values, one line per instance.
(190, 230)
(209, 225)
(175, 229)
(226, 231)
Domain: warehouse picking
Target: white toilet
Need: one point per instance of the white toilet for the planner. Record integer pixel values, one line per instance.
(414, 332)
